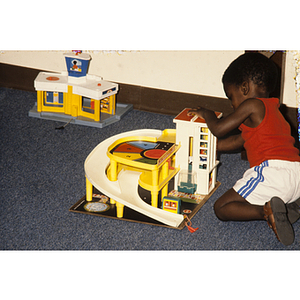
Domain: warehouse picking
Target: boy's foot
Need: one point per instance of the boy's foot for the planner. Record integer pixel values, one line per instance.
(276, 216)
(293, 211)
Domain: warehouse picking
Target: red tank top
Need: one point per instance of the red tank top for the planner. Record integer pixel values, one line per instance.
(271, 139)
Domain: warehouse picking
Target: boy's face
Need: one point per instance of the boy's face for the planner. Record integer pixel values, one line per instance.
(234, 94)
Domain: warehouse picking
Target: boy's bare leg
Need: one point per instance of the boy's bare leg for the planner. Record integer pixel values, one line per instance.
(233, 207)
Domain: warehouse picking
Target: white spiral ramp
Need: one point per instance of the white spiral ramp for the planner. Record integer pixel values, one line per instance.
(125, 189)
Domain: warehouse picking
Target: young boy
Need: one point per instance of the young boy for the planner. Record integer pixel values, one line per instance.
(270, 189)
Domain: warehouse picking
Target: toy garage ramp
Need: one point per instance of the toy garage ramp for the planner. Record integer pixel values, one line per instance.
(125, 189)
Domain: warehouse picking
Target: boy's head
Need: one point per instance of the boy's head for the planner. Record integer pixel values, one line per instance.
(252, 66)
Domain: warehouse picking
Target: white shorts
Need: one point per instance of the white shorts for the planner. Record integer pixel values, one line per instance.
(271, 178)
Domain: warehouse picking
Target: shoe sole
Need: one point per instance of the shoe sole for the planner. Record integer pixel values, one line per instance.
(284, 228)
(293, 211)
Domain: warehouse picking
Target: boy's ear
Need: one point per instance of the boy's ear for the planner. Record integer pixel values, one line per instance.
(245, 88)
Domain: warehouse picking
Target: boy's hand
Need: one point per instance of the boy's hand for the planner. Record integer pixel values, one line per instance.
(196, 111)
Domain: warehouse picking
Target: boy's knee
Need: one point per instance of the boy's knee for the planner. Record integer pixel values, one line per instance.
(217, 210)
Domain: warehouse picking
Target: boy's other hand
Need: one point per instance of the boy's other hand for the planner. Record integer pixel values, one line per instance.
(196, 112)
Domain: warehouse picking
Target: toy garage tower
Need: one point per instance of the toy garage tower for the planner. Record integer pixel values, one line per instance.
(196, 156)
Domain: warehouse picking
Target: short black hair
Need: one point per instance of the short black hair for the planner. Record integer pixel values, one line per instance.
(252, 66)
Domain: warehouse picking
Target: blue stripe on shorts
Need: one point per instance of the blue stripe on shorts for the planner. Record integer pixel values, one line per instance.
(252, 183)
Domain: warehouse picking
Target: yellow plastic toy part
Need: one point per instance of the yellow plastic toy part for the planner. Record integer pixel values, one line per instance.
(89, 190)
(72, 105)
(47, 107)
(39, 100)
(108, 104)
(154, 177)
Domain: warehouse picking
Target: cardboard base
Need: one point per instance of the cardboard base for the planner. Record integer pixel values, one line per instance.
(101, 206)
(105, 119)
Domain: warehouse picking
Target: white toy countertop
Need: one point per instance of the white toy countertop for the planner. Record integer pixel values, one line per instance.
(95, 88)
(54, 82)
(90, 86)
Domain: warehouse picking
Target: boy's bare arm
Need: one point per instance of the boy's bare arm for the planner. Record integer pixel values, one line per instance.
(220, 127)
(234, 142)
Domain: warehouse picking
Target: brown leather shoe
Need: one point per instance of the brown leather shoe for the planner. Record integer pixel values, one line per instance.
(276, 215)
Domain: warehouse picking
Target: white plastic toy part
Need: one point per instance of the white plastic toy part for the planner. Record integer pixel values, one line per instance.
(96, 88)
(93, 86)
(197, 153)
(125, 189)
(51, 82)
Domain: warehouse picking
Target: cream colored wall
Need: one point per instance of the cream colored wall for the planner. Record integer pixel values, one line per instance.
(197, 72)
(289, 88)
